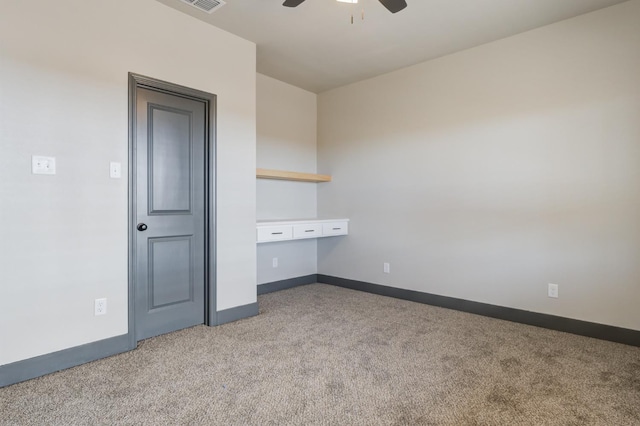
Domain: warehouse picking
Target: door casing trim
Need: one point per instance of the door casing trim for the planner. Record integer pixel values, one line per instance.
(139, 81)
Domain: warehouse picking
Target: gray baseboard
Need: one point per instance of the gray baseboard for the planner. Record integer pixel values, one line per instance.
(31, 368)
(568, 325)
(285, 284)
(237, 313)
(50, 363)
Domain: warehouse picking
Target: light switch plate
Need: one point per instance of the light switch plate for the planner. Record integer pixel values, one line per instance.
(115, 170)
(41, 165)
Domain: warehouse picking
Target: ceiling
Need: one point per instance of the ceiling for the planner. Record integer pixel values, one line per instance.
(314, 46)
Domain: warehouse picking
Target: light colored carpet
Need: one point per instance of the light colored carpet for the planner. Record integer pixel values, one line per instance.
(323, 355)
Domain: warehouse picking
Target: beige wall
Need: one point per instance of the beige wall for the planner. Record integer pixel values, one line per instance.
(286, 140)
(63, 93)
(487, 174)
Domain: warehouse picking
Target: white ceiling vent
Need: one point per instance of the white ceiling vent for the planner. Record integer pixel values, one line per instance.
(208, 6)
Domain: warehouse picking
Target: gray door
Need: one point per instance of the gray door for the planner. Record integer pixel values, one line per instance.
(169, 210)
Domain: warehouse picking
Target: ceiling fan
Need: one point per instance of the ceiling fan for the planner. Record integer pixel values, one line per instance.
(392, 5)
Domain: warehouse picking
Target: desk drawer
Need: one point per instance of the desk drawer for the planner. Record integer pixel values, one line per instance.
(275, 233)
(309, 230)
(335, 228)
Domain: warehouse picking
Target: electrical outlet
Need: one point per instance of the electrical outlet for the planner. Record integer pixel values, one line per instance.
(275, 262)
(100, 307)
(41, 165)
(386, 268)
(553, 291)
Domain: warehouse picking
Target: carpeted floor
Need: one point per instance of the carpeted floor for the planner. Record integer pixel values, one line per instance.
(320, 354)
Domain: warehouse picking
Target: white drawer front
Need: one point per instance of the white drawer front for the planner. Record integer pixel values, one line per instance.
(335, 228)
(308, 230)
(274, 233)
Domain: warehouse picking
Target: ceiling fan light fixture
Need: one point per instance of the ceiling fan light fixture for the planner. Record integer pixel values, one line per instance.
(393, 6)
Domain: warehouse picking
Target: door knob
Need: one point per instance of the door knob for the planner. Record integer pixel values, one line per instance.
(142, 227)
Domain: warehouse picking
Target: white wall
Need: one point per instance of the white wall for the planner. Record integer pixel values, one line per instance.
(487, 174)
(63, 93)
(286, 140)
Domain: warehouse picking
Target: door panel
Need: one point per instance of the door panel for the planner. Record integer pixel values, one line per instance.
(170, 271)
(170, 195)
(170, 161)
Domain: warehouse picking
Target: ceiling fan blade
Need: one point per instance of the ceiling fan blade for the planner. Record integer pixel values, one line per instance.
(394, 5)
(292, 3)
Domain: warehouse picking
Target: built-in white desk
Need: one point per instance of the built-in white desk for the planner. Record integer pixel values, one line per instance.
(270, 231)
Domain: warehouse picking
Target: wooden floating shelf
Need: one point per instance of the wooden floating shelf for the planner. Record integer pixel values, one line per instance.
(296, 176)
